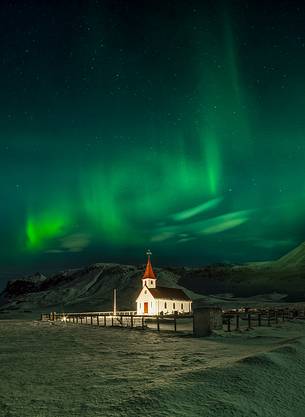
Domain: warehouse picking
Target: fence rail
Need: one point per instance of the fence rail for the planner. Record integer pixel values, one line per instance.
(101, 313)
(232, 320)
(124, 319)
(250, 318)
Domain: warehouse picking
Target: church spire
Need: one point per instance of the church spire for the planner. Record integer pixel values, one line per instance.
(149, 279)
(149, 273)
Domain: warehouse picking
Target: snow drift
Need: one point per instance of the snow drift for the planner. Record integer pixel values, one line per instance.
(69, 370)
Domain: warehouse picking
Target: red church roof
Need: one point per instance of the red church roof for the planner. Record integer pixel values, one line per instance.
(149, 273)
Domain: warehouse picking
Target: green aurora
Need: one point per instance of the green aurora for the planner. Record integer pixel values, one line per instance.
(165, 125)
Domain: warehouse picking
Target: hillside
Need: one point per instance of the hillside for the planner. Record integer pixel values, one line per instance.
(285, 275)
(86, 289)
(294, 259)
(90, 288)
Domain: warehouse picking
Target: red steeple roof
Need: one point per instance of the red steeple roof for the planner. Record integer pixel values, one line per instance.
(149, 273)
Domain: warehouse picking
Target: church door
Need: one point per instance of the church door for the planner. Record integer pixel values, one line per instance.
(145, 308)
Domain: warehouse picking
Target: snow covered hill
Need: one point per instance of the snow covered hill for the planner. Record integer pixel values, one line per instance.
(91, 288)
(293, 259)
(86, 289)
(284, 277)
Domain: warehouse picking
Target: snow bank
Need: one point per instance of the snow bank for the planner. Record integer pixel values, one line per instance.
(55, 369)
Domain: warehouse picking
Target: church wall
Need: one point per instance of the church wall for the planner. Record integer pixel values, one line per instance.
(145, 296)
(174, 305)
(160, 306)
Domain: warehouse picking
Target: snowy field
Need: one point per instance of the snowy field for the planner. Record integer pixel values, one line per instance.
(57, 369)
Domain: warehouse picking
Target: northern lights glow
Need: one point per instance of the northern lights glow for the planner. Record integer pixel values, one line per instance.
(40, 230)
(177, 127)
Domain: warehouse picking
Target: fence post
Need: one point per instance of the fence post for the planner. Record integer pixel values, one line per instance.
(143, 323)
(91, 319)
(112, 321)
(229, 323)
(276, 317)
(259, 319)
(105, 322)
(131, 321)
(237, 322)
(175, 323)
(81, 319)
(158, 323)
(269, 318)
(98, 320)
(249, 321)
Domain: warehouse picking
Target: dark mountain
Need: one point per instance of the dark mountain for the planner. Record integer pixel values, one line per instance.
(285, 275)
(86, 289)
(294, 259)
(91, 288)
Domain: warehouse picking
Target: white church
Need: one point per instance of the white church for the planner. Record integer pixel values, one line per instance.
(155, 300)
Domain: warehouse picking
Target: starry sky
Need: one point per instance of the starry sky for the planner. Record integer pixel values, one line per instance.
(171, 125)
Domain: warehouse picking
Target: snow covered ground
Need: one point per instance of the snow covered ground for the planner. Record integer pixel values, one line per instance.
(57, 370)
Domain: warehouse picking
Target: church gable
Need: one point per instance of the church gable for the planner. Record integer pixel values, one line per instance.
(145, 294)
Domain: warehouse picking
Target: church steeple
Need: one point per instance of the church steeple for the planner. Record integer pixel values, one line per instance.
(149, 279)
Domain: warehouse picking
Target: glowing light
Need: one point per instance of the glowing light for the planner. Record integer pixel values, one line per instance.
(212, 161)
(41, 228)
(210, 226)
(191, 212)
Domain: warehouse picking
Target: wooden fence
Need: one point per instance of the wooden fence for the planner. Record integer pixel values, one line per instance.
(251, 318)
(233, 320)
(125, 319)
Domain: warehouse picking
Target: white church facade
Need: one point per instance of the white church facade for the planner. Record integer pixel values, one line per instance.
(154, 300)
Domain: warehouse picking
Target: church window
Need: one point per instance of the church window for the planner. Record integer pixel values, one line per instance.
(151, 282)
(145, 292)
(165, 305)
(174, 305)
(181, 306)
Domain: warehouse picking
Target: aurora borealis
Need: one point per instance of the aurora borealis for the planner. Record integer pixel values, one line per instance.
(177, 126)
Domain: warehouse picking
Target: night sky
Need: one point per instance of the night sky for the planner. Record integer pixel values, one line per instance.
(177, 126)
